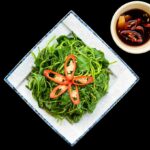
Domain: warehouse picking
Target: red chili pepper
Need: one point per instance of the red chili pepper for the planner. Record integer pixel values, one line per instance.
(147, 25)
(56, 77)
(140, 29)
(68, 81)
(58, 90)
(82, 80)
(74, 95)
(70, 66)
(131, 24)
(133, 36)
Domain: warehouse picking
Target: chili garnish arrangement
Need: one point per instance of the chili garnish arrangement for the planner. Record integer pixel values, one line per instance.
(68, 81)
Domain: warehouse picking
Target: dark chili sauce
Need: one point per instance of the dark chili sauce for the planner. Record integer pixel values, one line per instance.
(136, 30)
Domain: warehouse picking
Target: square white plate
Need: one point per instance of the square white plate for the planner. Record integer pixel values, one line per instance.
(122, 80)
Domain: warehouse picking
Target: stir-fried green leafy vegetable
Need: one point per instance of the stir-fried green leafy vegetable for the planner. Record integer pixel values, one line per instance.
(90, 61)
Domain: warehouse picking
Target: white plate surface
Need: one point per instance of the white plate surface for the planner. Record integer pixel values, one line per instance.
(120, 83)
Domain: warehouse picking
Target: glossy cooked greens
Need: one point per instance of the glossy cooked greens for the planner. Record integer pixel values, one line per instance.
(89, 62)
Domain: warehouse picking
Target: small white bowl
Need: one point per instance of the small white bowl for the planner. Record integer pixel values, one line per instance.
(126, 7)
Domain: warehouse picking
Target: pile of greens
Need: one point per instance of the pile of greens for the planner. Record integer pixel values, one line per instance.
(90, 61)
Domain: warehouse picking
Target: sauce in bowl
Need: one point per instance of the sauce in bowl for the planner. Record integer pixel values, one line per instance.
(133, 27)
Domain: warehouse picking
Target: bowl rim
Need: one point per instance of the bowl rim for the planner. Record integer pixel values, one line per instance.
(127, 48)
